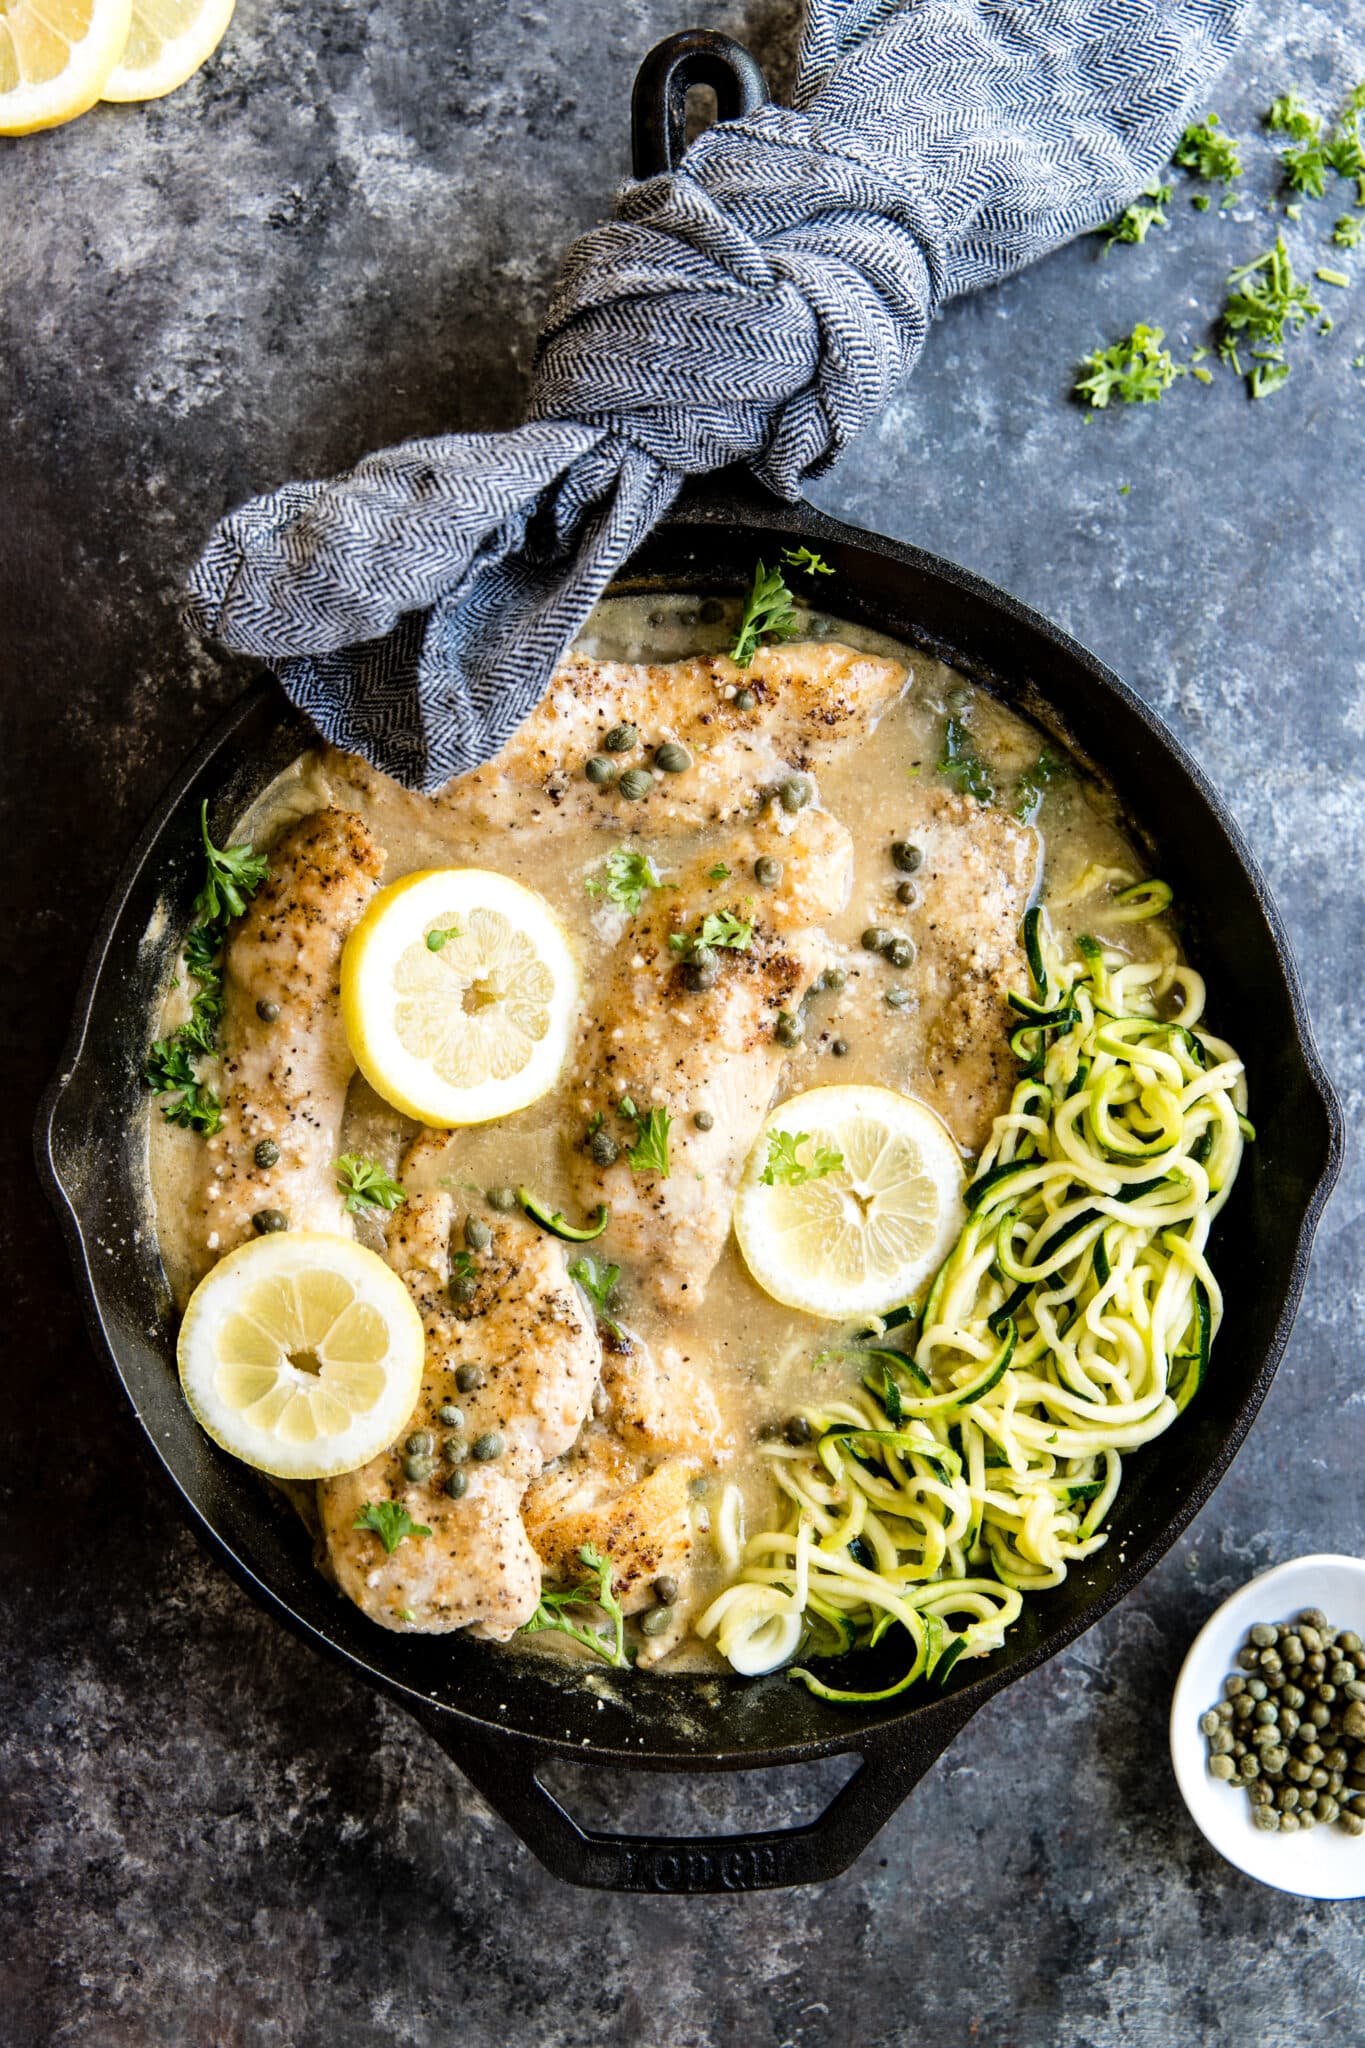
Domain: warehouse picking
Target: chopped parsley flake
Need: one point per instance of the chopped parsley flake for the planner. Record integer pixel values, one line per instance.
(768, 615)
(1137, 370)
(1035, 780)
(719, 873)
(367, 1185)
(630, 875)
(717, 928)
(806, 559)
(1305, 170)
(785, 1169)
(1267, 300)
(1289, 116)
(1133, 223)
(441, 937)
(390, 1522)
(1208, 152)
(1349, 231)
(962, 765)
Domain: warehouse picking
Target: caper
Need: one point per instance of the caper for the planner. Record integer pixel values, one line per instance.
(267, 1153)
(665, 1590)
(463, 1288)
(959, 699)
(795, 793)
(656, 1621)
(788, 1030)
(1265, 1817)
(455, 1449)
(599, 769)
(767, 871)
(266, 1220)
(897, 998)
(833, 978)
(603, 1149)
(267, 1011)
(420, 1444)
(418, 1470)
(488, 1446)
(1348, 1640)
(635, 783)
(1221, 1767)
(704, 1120)
(905, 856)
(620, 739)
(469, 1378)
(700, 975)
(673, 759)
(477, 1235)
(798, 1430)
(839, 1047)
(907, 893)
(875, 939)
(450, 1415)
(456, 1484)
(501, 1198)
(1262, 1635)
(745, 700)
(901, 952)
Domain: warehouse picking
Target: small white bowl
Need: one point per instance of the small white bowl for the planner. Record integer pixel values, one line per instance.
(1326, 1862)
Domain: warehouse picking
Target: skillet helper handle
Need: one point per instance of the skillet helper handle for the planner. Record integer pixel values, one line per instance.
(658, 105)
(504, 1769)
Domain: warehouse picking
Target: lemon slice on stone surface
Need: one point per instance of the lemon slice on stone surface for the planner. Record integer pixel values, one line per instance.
(860, 1237)
(56, 57)
(167, 42)
(301, 1353)
(458, 993)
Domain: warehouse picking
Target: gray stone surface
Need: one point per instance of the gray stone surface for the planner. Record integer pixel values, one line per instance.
(340, 234)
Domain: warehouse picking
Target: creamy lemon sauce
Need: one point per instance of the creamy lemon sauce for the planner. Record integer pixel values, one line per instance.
(760, 1359)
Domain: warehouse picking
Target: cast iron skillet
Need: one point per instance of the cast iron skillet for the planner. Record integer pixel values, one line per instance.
(503, 1716)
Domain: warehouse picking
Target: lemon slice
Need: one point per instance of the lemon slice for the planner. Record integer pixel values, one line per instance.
(56, 56)
(458, 993)
(167, 43)
(301, 1353)
(862, 1236)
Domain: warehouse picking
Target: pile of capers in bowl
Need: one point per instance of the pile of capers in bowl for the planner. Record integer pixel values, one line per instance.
(1290, 1727)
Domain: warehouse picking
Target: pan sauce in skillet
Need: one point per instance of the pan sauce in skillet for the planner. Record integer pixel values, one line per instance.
(737, 1362)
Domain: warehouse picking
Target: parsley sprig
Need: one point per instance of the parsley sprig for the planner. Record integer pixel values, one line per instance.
(598, 1282)
(390, 1522)
(232, 876)
(720, 928)
(367, 1185)
(629, 876)
(768, 615)
(649, 1153)
(786, 1170)
(552, 1611)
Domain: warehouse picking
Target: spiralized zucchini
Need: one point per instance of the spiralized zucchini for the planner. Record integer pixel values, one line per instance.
(1070, 1323)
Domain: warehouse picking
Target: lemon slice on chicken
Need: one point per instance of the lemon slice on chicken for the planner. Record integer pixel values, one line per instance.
(849, 1201)
(301, 1353)
(458, 993)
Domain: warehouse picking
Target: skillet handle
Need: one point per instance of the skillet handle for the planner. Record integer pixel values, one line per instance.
(658, 104)
(504, 1769)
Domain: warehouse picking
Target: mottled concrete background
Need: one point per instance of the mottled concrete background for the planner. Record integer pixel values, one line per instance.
(340, 234)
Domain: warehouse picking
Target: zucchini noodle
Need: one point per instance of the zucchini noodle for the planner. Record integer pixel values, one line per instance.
(1071, 1322)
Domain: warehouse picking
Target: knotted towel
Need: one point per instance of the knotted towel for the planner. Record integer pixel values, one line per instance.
(760, 304)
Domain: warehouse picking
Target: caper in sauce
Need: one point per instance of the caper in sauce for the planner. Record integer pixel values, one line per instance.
(267, 1154)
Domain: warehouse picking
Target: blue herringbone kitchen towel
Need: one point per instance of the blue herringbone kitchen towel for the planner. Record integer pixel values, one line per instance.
(760, 304)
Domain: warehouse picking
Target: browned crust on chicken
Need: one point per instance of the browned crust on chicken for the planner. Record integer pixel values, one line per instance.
(284, 1077)
(526, 1331)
